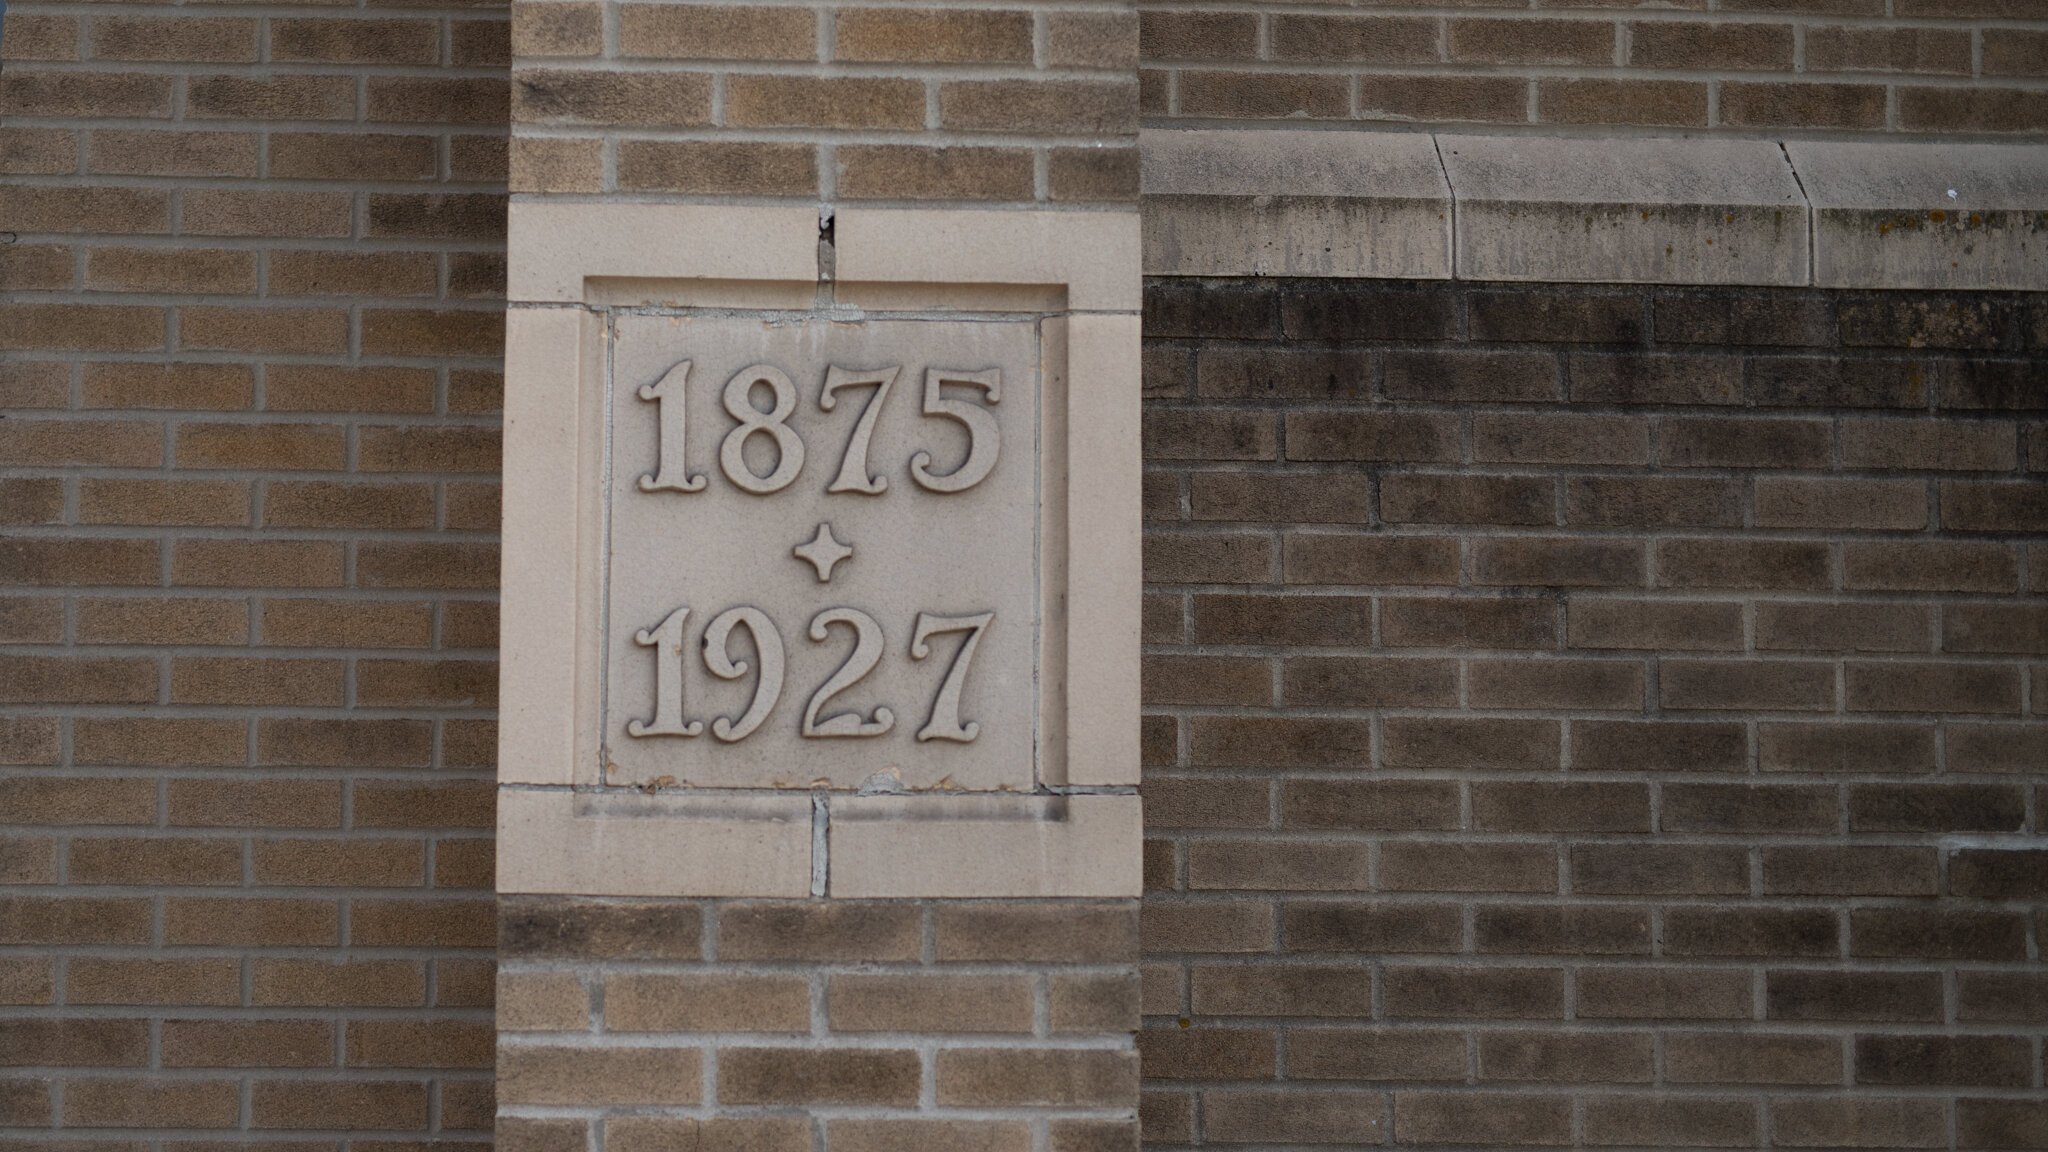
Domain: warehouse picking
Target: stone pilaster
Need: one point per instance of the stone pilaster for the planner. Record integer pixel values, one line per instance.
(818, 814)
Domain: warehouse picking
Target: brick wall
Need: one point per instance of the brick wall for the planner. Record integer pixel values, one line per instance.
(248, 402)
(1594, 716)
(980, 103)
(1945, 67)
(783, 1026)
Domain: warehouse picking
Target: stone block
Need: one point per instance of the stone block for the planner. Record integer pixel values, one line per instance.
(1918, 215)
(1627, 211)
(1294, 203)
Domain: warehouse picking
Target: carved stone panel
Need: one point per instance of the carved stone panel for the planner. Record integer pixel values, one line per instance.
(823, 558)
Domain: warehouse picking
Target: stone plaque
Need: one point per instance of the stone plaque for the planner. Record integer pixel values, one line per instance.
(823, 564)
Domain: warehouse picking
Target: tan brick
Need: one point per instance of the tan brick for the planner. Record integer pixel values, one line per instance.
(286, 330)
(405, 99)
(86, 94)
(996, 1077)
(1655, 103)
(555, 165)
(449, 804)
(248, 1043)
(565, 28)
(419, 1044)
(324, 983)
(271, 803)
(932, 36)
(929, 1003)
(213, 981)
(46, 920)
(177, 39)
(350, 156)
(79, 562)
(393, 332)
(354, 863)
(1091, 39)
(562, 927)
(1262, 95)
(330, 1104)
(88, 443)
(327, 504)
(70, 800)
(149, 1103)
(824, 102)
(188, 386)
(81, 327)
(662, 1133)
(718, 167)
(326, 388)
(134, 860)
(78, 680)
(38, 151)
(41, 37)
(1500, 41)
(1809, 105)
(840, 931)
(395, 564)
(1469, 99)
(352, 274)
(258, 212)
(309, 742)
(257, 563)
(542, 1001)
(883, 1135)
(443, 923)
(130, 152)
(1069, 933)
(585, 1077)
(37, 267)
(418, 683)
(307, 40)
(544, 96)
(706, 1003)
(725, 32)
(313, 623)
(1927, 51)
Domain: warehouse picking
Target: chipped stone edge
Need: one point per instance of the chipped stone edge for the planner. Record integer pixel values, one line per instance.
(1533, 238)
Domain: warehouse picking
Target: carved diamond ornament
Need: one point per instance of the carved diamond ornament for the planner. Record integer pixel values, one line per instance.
(823, 552)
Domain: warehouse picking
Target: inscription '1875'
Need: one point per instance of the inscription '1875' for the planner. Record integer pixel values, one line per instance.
(670, 395)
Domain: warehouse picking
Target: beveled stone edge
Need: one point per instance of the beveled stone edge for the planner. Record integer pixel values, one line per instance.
(985, 847)
(566, 843)
(1511, 235)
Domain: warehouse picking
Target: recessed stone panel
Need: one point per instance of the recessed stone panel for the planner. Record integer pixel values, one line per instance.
(822, 543)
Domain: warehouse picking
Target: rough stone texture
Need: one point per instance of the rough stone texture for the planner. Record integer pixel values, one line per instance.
(1593, 716)
(1926, 67)
(873, 1024)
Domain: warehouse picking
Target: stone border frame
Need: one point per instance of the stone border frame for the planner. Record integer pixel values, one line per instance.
(559, 834)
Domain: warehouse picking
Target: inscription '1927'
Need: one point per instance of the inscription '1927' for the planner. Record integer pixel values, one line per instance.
(667, 640)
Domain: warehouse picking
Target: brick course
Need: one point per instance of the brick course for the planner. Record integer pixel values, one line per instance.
(864, 1025)
(973, 103)
(1591, 716)
(1585, 65)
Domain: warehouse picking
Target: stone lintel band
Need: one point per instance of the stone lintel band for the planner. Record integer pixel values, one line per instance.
(1413, 205)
